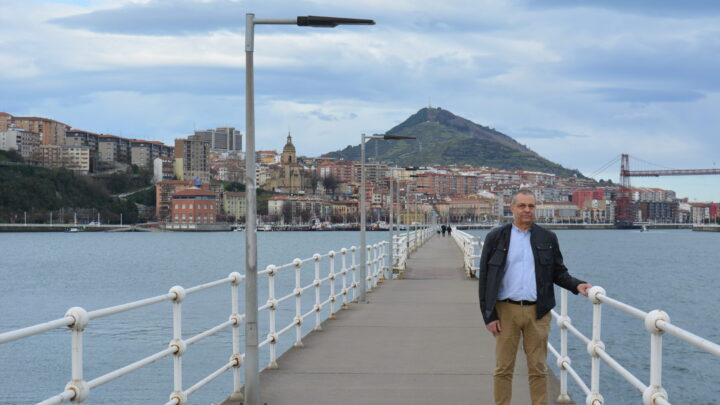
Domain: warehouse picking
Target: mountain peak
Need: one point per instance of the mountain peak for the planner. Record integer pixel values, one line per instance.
(443, 138)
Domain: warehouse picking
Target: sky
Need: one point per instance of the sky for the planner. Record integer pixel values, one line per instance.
(579, 82)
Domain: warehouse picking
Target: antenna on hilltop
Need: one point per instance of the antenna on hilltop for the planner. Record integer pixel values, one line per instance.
(429, 102)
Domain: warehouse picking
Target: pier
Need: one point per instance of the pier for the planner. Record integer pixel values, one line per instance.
(419, 340)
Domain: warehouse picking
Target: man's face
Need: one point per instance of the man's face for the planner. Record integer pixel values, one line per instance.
(524, 209)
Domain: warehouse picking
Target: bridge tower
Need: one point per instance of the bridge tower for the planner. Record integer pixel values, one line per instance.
(623, 203)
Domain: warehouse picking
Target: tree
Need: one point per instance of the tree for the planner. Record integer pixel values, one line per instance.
(330, 183)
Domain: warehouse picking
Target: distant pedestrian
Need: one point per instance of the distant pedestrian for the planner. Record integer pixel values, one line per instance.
(443, 229)
(449, 230)
(520, 262)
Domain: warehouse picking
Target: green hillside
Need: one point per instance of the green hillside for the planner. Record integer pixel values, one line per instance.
(444, 139)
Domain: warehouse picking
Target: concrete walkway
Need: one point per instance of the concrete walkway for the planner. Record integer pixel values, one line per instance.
(420, 340)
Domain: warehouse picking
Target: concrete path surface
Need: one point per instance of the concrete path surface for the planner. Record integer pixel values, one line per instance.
(420, 340)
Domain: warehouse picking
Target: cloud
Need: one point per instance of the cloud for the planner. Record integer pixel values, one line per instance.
(542, 133)
(648, 95)
(160, 18)
(664, 8)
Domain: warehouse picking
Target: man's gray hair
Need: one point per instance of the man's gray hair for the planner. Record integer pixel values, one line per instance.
(522, 191)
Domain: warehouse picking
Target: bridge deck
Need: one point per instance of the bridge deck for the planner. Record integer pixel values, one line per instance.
(420, 340)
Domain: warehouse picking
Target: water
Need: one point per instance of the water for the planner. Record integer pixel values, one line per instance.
(672, 270)
(44, 274)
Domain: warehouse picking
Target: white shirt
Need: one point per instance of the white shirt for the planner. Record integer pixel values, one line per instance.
(519, 280)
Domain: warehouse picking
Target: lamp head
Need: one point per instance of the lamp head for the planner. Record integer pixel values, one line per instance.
(330, 22)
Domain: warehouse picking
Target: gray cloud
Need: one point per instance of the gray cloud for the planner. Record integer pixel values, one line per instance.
(160, 18)
(664, 8)
(543, 133)
(648, 95)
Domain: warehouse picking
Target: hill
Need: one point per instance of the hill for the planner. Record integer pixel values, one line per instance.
(444, 139)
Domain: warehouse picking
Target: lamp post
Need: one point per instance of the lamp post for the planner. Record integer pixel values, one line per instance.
(363, 219)
(251, 361)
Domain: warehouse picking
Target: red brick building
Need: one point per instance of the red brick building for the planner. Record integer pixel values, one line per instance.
(193, 206)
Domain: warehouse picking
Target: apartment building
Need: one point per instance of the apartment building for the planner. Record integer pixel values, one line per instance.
(20, 140)
(192, 159)
(222, 139)
(51, 132)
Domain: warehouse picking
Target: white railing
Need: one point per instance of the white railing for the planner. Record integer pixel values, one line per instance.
(405, 243)
(656, 322)
(77, 319)
(471, 247)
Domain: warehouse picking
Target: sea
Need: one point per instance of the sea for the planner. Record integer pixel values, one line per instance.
(42, 275)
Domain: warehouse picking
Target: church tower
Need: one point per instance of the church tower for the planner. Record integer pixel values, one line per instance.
(289, 156)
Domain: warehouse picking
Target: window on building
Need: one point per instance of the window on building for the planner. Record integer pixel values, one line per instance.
(190, 206)
(183, 206)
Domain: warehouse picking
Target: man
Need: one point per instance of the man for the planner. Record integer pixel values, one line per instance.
(520, 262)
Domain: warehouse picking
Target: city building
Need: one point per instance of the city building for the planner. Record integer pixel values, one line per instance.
(341, 170)
(76, 158)
(222, 139)
(598, 211)
(267, 157)
(24, 142)
(234, 205)
(163, 191)
(193, 206)
(290, 177)
(192, 159)
(374, 172)
(113, 150)
(163, 169)
(51, 132)
(558, 211)
(298, 209)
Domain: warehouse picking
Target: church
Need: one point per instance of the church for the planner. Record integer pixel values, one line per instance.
(290, 177)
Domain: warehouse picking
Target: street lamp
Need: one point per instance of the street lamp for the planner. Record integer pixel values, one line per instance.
(363, 244)
(251, 361)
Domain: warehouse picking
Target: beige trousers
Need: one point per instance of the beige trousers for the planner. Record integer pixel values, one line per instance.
(517, 321)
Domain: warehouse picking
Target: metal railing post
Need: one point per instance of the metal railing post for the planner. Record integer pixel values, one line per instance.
(562, 322)
(272, 317)
(77, 384)
(594, 397)
(655, 389)
(344, 271)
(317, 284)
(354, 275)
(179, 344)
(298, 304)
(237, 320)
(331, 277)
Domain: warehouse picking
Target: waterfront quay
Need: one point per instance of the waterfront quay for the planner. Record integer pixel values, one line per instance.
(419, 340)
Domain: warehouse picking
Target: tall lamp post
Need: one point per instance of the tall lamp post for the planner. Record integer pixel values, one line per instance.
(363, 219)
(251, 361)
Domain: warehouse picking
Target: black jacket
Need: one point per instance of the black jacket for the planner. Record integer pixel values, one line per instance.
(549, 269)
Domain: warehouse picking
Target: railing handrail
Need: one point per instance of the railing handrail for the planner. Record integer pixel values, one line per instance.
(656, 322)
(470, 246)
(78, 318)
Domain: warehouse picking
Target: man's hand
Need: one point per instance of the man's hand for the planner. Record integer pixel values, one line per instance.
(584, 288)
(494, 327)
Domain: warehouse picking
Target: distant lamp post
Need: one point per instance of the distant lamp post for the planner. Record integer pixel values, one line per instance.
(251, 361)
(363, 219)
